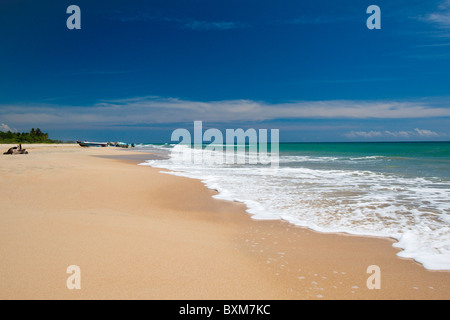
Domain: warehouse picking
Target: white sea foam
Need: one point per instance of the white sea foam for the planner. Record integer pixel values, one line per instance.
(415, 211)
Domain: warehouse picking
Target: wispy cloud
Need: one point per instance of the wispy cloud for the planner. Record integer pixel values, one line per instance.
(157, 110)
(429, 56)
(358, 80)
(446, 44)
(104, 72)
(363, 134)
(416, 133)
(319, 19)
(425, 133)
(440, 17)
(206, 25)
(6, 128)
(182, 23)
(399, 134)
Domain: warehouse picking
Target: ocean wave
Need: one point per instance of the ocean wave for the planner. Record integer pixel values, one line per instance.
(413, 210)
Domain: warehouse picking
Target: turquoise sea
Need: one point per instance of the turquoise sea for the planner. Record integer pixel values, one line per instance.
(398, 190)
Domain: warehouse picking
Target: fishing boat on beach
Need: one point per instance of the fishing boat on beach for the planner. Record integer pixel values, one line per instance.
(121, 145)
(92, 144)
(105, 144)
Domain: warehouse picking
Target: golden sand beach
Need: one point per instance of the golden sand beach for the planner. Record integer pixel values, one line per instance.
(136, 233)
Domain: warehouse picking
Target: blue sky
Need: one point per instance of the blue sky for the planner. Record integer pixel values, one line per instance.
(137, 70)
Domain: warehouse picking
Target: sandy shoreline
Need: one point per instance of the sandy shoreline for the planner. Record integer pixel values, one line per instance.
(139, 234)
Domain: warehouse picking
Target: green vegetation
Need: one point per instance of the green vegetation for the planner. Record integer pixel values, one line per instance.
(34, 136)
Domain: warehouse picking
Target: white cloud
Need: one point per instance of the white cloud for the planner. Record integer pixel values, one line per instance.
(6, 128)
(442, 16)
(363, 134)
(320, 19)
(176, 110)
(208, 25)
(426, 133)
(185, 23)
(398, 134)
(401, 134)
(439, 18)
(156, 110)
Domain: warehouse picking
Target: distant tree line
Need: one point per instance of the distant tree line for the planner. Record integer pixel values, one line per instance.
(34, 136)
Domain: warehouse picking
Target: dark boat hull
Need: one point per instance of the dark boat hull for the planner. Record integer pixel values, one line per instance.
(92, 144)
